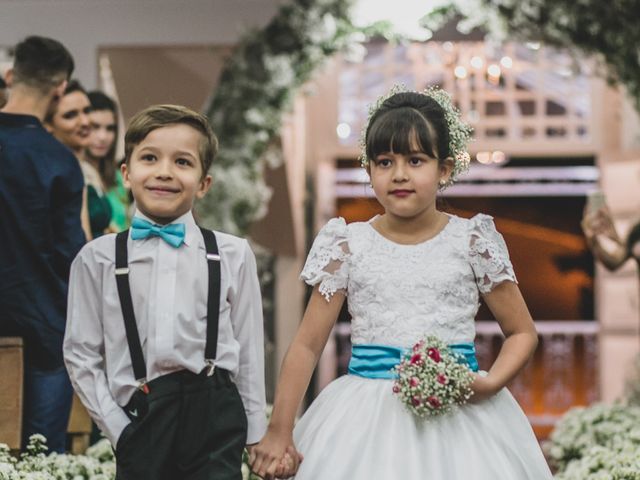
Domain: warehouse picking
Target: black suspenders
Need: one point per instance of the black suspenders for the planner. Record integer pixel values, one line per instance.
(131, 328)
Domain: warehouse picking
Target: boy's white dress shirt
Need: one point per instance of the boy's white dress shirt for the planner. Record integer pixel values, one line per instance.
(169, 289)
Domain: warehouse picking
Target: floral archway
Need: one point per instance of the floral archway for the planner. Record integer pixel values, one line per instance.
(255, 88)
(269, 65)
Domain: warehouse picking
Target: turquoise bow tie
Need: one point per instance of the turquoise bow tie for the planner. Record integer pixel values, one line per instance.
(173, 233)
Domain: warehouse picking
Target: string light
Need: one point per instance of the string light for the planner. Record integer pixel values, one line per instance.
(506, 62)
(343, 130)
(498, 157)
(486, 158)
(460, 72)
(494, 70)
(477, 62)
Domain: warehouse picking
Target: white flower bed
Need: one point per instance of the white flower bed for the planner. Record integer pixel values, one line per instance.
(97, 464)
(601, 442)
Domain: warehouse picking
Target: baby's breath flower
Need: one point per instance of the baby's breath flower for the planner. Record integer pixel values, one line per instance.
(431, 379)
(597, 442)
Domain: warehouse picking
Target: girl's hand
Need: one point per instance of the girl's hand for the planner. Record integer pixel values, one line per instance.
(483, 388)
(275, 456)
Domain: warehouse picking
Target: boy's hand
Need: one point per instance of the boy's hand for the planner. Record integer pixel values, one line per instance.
(275, 456)
(483, 388)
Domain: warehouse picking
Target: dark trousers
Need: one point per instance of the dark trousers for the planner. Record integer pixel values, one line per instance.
(188, 427)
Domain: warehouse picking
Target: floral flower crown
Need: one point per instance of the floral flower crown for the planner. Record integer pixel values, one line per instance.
(459, 132)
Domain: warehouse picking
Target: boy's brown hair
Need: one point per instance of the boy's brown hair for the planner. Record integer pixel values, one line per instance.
(158, 116)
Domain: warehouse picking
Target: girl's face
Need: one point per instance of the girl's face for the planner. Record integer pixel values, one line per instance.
(70, 122)
(406, 184)
(103, 133)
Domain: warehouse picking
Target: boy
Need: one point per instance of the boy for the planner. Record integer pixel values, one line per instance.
(40, 198)
(162, 326)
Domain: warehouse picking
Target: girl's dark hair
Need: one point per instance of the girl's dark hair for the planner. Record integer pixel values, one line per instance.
(106, 165)
(403, 119)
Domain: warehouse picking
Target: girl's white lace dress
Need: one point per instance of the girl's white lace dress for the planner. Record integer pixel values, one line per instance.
(357, 429)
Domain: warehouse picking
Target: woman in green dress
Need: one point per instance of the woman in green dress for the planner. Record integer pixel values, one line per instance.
(70, 124)
(101, 153)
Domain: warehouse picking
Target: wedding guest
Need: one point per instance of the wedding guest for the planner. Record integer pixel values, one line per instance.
(40, 198)
(164, 340)
(101, 154)
(69, 122)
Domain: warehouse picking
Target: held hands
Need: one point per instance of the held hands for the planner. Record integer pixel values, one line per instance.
(275, 456)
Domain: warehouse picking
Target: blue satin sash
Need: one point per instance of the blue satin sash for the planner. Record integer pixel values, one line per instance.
(377, 361)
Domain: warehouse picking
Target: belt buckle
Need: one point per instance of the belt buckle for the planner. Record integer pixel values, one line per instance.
(143, 386)
(209, 368)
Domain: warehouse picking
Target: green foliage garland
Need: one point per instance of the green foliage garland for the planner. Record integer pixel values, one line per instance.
(608, 30)
(257, 85)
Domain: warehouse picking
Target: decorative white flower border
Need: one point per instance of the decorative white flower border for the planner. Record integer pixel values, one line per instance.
(256, 87)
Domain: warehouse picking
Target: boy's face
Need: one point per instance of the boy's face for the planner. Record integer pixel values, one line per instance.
(165, 174)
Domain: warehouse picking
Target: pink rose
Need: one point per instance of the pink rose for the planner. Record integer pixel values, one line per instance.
(416, 401)
(414, 381)
(434, 402)
(416, 359)
(434, 354)
(418, 346)
(396, 388)
(442, 379)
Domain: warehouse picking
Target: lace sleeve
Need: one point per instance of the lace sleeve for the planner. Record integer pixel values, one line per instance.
(488, 254)
(327, 261)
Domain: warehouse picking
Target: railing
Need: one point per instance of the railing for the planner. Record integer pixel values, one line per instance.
(562, 373)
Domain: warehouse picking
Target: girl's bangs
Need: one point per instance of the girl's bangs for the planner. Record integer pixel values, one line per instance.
(398, 131)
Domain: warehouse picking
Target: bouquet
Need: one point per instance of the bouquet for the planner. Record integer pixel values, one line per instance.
(432, 380)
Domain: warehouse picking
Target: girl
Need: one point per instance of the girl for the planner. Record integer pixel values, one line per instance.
(411, 272)
(101, 153)
(70, 124)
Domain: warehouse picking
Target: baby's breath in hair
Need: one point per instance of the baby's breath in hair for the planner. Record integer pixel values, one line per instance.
(459, 132)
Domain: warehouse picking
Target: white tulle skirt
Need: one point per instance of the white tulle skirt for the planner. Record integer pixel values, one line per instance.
(358, 430)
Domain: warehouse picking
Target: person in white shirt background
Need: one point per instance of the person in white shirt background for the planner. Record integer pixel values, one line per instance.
(165, 349)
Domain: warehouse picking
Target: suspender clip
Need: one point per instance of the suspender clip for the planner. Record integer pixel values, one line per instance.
(144, 387)
(213, 256)
(210, 367)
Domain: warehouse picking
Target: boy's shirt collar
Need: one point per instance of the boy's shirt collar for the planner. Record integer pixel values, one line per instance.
(188, 220)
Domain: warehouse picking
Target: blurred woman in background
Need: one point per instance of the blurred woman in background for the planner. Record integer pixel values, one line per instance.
(101, 154)
(70, 124)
